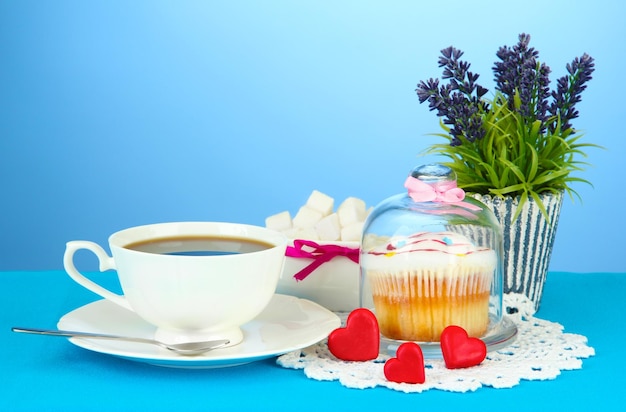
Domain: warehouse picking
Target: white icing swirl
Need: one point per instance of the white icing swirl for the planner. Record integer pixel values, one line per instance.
(428, 250)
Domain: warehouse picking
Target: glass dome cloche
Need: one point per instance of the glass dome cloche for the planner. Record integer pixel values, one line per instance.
(431, 258)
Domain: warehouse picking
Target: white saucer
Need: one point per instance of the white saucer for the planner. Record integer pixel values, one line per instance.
(286, 324)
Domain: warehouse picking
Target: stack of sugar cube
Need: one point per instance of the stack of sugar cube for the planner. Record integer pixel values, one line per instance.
(317, 220)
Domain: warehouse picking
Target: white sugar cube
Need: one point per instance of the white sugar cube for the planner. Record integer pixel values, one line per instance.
(321, 202)
(352, 232)
(329, 228)
(306, 218)
(350, 211)
(290, 233)
(280, 221)
(306, 234)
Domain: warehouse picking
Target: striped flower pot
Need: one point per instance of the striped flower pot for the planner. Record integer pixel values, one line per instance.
(527, 241)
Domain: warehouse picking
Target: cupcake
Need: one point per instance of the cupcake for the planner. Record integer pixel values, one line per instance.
(424, 282)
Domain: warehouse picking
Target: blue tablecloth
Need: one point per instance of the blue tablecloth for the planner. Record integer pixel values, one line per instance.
(45, 373)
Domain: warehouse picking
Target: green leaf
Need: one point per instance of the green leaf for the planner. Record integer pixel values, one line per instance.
(534, 162)
(541, 206)
(522, 201)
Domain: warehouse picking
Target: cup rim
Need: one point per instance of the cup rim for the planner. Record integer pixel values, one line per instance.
(124, 237)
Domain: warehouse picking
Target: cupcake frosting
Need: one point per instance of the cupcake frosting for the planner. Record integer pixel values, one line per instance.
(428, 250)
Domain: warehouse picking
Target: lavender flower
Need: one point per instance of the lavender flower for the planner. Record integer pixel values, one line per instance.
(519, 73)
(458, 102)
(520, 77)
(569, 89)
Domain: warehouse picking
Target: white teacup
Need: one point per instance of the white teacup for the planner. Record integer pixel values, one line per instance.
(192, 296)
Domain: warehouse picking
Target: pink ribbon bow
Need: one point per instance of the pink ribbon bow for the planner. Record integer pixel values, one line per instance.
(445, 192)
(319, 253)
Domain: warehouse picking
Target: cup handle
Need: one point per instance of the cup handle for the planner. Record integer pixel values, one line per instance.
(106, 263)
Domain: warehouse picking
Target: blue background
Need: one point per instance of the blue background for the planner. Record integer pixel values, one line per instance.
(120, 113)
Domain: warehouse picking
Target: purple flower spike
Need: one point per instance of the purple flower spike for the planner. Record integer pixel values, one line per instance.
(459, 101)
(569, 90)
(520, 73)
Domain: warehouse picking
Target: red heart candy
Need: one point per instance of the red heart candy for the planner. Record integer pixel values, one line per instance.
(407, 366)
(459, 350)
(359, 340)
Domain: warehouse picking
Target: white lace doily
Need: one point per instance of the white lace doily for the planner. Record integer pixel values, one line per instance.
(540, 352)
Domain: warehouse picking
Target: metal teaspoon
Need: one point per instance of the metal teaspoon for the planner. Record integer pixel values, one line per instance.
(185, 349)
